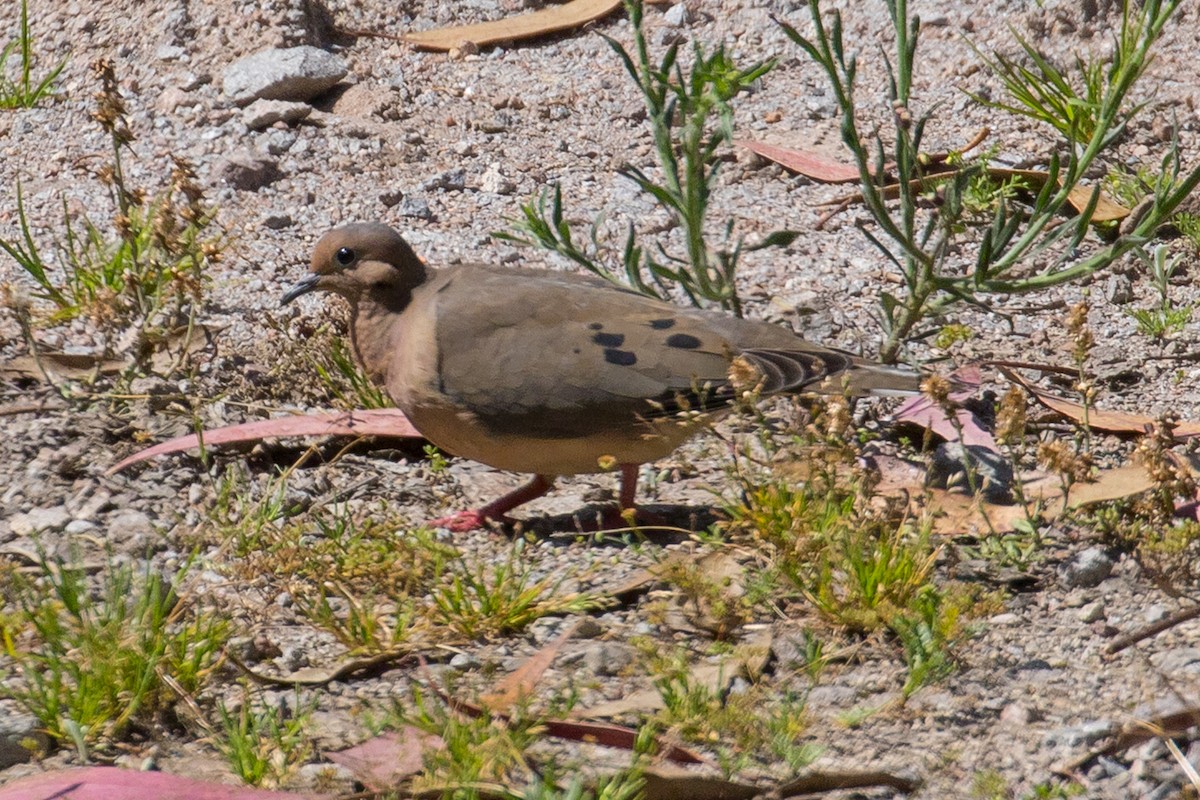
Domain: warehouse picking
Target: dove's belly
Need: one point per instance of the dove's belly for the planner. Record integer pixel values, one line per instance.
(461, 434)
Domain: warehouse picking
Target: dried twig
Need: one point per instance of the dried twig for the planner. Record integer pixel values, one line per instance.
(1153, 629)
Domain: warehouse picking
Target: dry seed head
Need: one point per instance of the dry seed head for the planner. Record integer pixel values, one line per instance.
(745, 377)
(1059, 456)
(1087, 390)
(1011, 416)
(835, 422)
(110, 108)
(937, 389)
(1081, 334)
(124, 226)
(13, 297)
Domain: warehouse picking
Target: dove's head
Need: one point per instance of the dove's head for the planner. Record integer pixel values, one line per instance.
(362, 259)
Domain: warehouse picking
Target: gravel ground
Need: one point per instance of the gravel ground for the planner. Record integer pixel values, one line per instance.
(444, 149)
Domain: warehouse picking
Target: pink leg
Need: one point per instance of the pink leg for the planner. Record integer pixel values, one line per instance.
(478, 517)
(629, 478)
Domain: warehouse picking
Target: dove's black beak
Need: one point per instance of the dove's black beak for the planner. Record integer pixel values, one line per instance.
(303, 286)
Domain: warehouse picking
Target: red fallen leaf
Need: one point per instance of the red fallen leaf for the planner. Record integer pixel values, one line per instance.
(373, 422)
(114, 783)
(385, 762)
(602, 733)
(1098, 418)
(805, 163)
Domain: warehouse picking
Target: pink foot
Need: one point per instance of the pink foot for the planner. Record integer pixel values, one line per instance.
(461, 521)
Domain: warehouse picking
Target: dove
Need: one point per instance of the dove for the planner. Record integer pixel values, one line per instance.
(555, 373)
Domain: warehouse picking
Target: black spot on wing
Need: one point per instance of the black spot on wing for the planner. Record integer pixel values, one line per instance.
(662, 324)
(622, 358)
(683, 341)
(609, 339)
(596, 326)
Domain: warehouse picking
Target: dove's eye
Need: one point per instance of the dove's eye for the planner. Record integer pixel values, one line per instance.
(345, 256)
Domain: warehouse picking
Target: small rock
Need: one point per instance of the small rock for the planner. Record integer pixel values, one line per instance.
(264, 113)
(40, 520)
(1155, 613)
(248, 171)
(494, 182)
(293, 658)
(1084, 734)
(190, 81)
(278, 142)
(588, 628)
(677, 16)
(608, 658)
(1119, 290)
(1178, 659)
(294, 73)
(159, 393)
(1092, 612)
(1016, 714)
(415, 207)
(452, 180)
(834, 697)
(993, 471)
(1089, 568)
(129, 525)
(174, 98)
(277, 221)
(464, 662)
(1006, 618)
(169, 52)
(391, 197)
(324, 778)
(78, 527)
(20, 738)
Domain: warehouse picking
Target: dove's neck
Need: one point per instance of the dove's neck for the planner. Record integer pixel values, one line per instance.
(371, 333)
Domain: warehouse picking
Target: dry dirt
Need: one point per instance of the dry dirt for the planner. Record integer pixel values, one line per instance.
(1033, 690)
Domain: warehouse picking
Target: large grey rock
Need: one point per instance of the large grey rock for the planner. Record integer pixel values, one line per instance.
(293, 73)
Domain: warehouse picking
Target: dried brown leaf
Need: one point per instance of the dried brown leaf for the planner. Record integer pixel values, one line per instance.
(551, 19)
(1098, 418)
(521, 682)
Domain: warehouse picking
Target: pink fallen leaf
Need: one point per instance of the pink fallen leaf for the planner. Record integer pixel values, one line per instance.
(803, 162)
(113, 783)
(386, 761)
(389, 422)
(925, 413)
